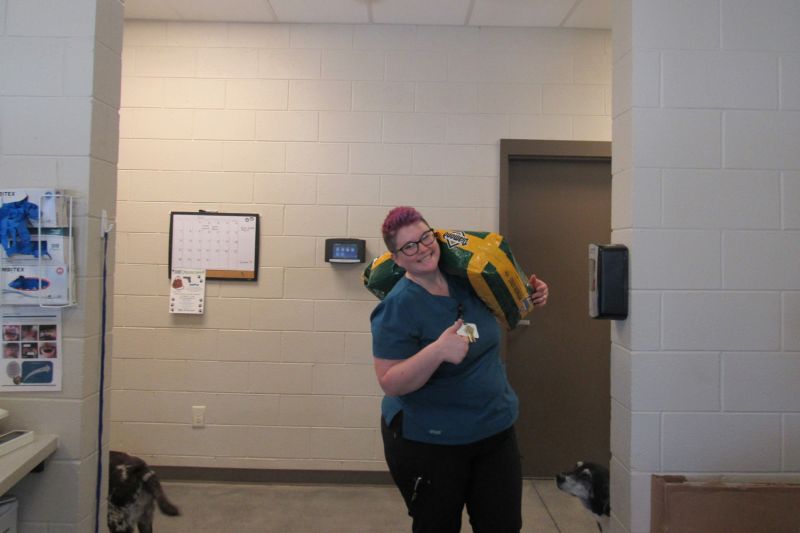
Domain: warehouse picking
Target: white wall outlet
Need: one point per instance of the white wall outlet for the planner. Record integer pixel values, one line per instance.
(199, 416)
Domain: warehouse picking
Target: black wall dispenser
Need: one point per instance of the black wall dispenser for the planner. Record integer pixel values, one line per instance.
(608, 281)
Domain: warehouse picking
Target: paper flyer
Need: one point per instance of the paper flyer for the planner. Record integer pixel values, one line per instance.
(32, 356)
(187, 291)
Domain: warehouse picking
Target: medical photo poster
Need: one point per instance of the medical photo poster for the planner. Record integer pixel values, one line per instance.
(32, 355)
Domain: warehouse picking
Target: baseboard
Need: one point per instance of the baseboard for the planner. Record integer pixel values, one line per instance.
(253, 475)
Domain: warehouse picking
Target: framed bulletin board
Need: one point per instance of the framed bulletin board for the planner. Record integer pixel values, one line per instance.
(225, 245)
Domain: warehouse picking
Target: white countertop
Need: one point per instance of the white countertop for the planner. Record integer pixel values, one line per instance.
(16, 464)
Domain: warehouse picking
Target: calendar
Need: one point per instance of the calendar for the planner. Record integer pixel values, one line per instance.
(225, 245)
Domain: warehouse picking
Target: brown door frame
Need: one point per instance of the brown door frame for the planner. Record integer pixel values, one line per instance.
(511, 149)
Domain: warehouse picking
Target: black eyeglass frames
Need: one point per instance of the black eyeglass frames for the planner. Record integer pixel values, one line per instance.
(412, 247)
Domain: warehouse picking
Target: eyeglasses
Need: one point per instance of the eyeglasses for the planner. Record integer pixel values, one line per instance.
(412, 247)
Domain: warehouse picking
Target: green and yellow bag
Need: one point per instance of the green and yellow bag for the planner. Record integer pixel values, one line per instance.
(484, 258)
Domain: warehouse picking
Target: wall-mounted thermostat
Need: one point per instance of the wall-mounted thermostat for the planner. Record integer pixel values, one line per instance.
(345, 250)
(608, 281)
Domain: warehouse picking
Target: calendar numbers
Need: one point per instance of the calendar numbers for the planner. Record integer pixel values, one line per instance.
(225, 245)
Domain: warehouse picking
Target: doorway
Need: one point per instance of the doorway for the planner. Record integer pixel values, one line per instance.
(555, 199)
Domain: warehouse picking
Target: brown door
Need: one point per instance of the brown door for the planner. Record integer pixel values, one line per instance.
(559, 364)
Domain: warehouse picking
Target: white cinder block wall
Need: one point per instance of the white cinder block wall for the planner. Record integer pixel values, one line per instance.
(706, 187)
(320, 129)
(59, 96)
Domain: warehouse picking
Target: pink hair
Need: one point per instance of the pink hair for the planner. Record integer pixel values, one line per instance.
(399, 217)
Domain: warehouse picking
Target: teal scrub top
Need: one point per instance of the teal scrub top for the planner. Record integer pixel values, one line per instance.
(460, 403)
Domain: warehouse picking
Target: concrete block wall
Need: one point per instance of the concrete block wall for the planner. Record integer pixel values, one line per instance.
(59, 101)
(706, 120)
(321, 129)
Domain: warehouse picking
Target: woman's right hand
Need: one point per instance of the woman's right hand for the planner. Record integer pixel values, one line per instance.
(452, 345)
(403, 376)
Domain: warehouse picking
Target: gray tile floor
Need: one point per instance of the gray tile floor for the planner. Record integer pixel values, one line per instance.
(265, 508)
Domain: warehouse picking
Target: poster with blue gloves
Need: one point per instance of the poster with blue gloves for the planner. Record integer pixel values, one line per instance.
(35, 247)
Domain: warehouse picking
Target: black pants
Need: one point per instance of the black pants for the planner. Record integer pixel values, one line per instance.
(436, 481)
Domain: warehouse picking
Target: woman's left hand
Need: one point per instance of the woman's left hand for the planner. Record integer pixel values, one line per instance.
(540, 291)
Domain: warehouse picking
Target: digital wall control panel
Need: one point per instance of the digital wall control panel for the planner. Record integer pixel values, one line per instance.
(345, 250)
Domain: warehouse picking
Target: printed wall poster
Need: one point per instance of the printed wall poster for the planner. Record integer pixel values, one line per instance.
(32, 357)
(187, 291)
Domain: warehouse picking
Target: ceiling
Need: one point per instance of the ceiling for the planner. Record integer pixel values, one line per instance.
(527, 13)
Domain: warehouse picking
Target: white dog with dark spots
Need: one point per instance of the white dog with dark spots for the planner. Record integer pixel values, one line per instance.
(133, 491)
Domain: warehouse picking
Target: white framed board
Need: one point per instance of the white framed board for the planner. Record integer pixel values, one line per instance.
(225, 245)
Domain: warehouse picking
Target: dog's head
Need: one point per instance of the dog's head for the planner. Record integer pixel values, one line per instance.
(589, 483)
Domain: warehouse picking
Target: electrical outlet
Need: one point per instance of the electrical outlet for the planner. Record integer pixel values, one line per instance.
(199, 416)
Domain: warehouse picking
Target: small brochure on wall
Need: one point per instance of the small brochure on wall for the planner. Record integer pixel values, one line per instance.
(187, 291)
(32, 356)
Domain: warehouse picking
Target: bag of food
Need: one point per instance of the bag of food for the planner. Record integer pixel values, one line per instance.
(484, 258)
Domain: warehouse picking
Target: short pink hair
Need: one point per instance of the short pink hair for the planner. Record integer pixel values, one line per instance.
(399, 217)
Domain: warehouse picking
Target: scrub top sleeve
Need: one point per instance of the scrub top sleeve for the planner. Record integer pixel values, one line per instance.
(393, 332)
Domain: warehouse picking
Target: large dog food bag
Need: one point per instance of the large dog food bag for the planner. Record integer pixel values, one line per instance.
(484, 258)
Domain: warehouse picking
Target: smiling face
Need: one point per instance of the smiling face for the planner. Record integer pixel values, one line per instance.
(426, 260)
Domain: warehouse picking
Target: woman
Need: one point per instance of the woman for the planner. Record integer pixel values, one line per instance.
(448, 414)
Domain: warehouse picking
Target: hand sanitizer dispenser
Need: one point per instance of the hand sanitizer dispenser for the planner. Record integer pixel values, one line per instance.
(608, 281)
